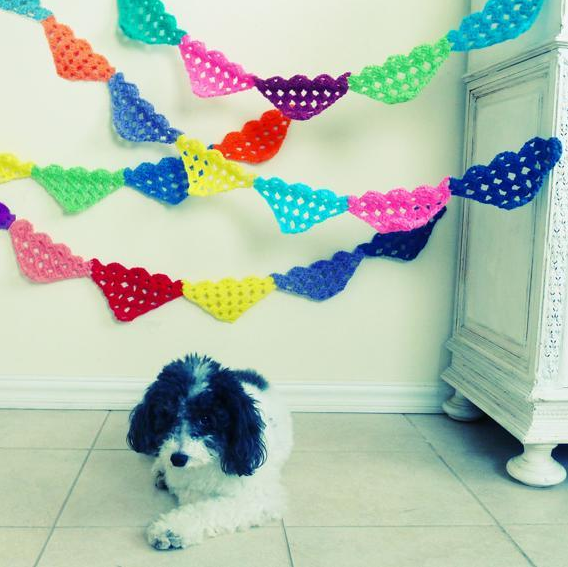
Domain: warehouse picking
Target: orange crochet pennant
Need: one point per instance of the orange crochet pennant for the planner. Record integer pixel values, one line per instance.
(258, 140)
(74, 58)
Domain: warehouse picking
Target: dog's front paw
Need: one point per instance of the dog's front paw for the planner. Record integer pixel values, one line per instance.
(160, 481)
(161, 537)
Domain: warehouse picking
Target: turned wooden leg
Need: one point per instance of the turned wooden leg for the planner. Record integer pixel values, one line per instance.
(458, 407)
(536, 466)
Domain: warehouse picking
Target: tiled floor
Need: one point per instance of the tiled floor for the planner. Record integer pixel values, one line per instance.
(365, 490)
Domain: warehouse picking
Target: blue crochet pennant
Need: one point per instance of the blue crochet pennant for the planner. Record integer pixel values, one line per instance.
(298, 207)
(165, 181)
(6, 217)
(401, 245)
(29, 8)
(135, 118)
(500, 20)
(322, 279)
(512, 179)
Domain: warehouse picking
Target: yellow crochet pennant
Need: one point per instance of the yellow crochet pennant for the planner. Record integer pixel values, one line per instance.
(12, 168)
(208, 171)
(228, 299)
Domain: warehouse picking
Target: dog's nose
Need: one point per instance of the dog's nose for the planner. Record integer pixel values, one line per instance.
(179, 459)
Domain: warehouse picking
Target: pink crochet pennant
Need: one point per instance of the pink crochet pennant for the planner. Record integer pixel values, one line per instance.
(210, 73)
(41, 260)
(399, 209)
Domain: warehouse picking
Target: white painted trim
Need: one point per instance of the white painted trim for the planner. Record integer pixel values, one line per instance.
(50, 392)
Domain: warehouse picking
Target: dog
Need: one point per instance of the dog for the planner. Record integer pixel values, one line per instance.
(220, 438)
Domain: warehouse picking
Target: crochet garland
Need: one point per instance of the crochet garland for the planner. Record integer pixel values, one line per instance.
(131, 292)
(511, 180)
(399, 79)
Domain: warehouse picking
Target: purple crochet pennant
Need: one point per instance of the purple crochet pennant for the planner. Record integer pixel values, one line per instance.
(135, 118)
(301, 98)
(6, 217)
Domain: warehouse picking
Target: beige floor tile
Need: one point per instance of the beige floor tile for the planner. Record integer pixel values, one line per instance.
(355, 432)
(113, 434)
(126, 547)
(545, 545)
(35, 483)
(19, 547)
(403, 547)
(374, 489)
(48, 429)
(447, 435)
(115, 489)
(509, 501)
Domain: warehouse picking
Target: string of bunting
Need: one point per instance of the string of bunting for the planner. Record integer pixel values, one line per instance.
(131, 292)
(510, 180)
(399, 79)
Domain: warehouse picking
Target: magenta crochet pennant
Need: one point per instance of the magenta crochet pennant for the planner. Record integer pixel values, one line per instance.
(210, 73)
(43, 261)
(301, 98)
(399, 209)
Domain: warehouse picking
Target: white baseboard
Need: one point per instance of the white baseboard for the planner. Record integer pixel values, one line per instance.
(48, 392)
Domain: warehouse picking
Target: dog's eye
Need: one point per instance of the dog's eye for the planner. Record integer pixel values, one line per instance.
(203, 420)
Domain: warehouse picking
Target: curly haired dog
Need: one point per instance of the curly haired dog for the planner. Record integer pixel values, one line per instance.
(220, 438)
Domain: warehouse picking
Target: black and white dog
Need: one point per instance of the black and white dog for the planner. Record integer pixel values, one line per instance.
(220, 438)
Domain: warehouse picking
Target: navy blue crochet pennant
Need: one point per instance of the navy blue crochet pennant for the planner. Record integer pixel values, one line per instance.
(135, 118)
(322, 279)
(512, 179)
(164, 181)
(401, 245)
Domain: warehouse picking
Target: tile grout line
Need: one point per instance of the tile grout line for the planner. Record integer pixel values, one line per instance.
(473, 495)
(290, 558)
(71, 488)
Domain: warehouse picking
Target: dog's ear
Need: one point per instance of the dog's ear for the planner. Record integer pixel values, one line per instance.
(244, 449)
(141, 437)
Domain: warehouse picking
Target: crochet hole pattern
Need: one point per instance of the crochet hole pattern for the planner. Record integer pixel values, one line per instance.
(135, 118)
(210, 73)
(208, 171)
(402, 77)
(76, 189)
(298, 207)
(147, 21)
(165, 181)
(498, 21)
(301, 98)
(512, 179)
(133, 292)
(258, 140)
(74, 58)
(228, 299)
(399, 209)
(40, 259)
(322, 279)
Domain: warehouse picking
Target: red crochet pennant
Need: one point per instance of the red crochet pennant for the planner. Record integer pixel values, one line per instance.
(133, 292)
(74, 58)
(258, 140)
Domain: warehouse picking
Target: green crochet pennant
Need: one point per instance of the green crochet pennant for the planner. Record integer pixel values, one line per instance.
(77, 189)
(147, 21)
(402, 77)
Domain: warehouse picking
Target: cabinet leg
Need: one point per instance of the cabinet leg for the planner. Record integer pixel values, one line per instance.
(536, 466)
(458, 407)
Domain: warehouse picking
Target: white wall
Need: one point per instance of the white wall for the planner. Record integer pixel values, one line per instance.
(389, 327)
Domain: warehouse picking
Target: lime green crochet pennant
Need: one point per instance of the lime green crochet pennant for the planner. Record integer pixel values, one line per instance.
(77, 189)
(402, 77)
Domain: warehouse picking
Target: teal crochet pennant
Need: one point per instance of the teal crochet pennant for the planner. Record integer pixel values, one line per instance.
(77, 189)
(29, 8)
(148, 21)
(298, 207)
